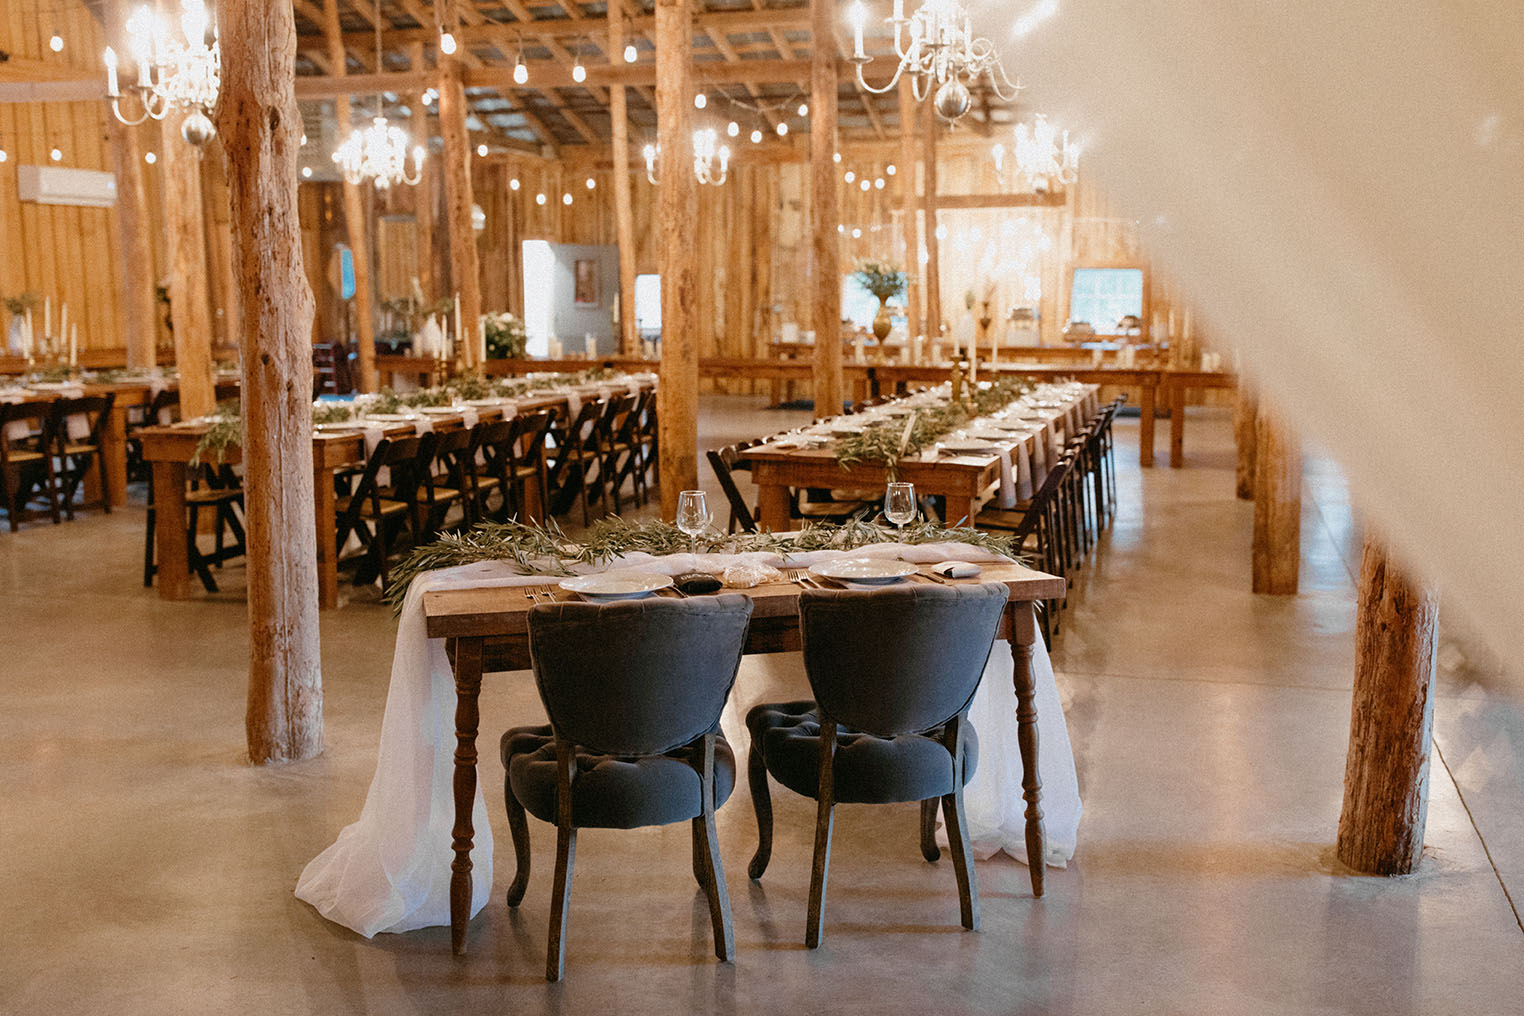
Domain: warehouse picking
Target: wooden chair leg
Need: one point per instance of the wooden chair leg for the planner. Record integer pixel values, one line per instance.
(518, 827)
(762, 804)
(825, 802)
(962, 857)
(929, 830)
(696, 829)
(560, 901)
(719, 895)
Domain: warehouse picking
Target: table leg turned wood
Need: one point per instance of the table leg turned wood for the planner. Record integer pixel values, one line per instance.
(114, 454)
(1146, 425)
(1176, 427)
(772, 507)
(173, 575)
(326, 515)
(468, 686)
(1023, 638)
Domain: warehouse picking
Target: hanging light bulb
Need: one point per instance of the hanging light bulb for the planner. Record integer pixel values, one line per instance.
(56, 43)
(700, 101)
(56, 155)
(878, 184)
(447, 43)
(514, 184)
(520, 72)
(579, 72)
(481, 150)
(631, 54)
(734, 130)
(566, 198)
(150, 157)
(804, 109)
(850, 177)
(756, 137)
(782, 129)
(591, 183)
(836, 158)
(867, 184)
(889, 170)
(3, 155)
(539, 199)
(306, 172)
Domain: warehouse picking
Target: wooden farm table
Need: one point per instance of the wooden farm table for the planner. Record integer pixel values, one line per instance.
(129, 394)
(966, 482)
(1153, 382)
(486, 631)
(169, 449)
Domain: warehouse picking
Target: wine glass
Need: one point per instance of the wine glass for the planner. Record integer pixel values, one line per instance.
(692, 516)
(899, 504)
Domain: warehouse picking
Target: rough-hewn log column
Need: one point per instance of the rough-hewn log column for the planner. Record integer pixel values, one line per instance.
(624, 214)
(825, 242)
(677, 395)
(1277, 506)
(1245, 413)
(139, 327)
(911, 207)
(933, 245)
(355, 200)
(190, 300)
(1386, 775)
(465, 269)
(261, 130)
(423, 194)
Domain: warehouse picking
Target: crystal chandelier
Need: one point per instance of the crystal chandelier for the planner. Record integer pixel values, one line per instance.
(937, 48)
(1045, 160)
(379, 152)
(711, 160)
(172, 73)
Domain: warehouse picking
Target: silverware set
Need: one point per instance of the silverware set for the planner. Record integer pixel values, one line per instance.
(541, 594)
(802, 578)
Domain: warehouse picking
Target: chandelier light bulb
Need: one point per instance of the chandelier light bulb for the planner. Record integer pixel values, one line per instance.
(631, 54)
(447, 43)
(174, 71)
(935, 47)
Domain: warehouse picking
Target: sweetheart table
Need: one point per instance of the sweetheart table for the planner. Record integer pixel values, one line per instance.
(408, 861)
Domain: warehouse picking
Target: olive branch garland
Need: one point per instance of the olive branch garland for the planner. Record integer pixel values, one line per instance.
(544, 549)
(884, 444)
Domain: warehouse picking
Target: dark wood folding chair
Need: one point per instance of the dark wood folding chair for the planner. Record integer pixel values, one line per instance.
(79, 426)
(211, 489)
(26, 459)
(447, 477)
(529, 461)
(376, 520)
(725, 461)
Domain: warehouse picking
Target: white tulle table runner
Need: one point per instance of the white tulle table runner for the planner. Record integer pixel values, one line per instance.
(389, 871)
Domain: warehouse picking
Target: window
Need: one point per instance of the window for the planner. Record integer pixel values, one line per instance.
(648, 305)
(860, 306)
(539, 290)
(1103, 296)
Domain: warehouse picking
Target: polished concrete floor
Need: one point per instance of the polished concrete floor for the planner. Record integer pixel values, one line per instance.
(145, 868)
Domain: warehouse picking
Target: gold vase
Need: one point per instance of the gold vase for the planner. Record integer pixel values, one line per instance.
(882, 325)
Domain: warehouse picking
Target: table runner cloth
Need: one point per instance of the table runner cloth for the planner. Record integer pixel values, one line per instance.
(389, 871)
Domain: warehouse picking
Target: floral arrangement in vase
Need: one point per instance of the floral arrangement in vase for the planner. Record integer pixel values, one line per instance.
(884, 281)
(506, 337)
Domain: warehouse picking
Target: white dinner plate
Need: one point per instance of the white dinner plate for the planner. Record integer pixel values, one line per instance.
(389, 417)
(868, 571)
(1012, 426)
(326, 428)
(968, 446)
(488, 403)
(53, 386)
(439, 410)
(616, 585)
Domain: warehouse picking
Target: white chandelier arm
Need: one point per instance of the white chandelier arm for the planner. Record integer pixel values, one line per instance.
(899, 71)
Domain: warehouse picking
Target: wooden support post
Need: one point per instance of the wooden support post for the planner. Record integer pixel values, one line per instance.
(424, 193)
(677, 395)
(354, 213)
(1391, 727)
(139, 329)
(1245, 412)
(261, 130)
(933, 245)
(1277, 507)
(911, 206)
(624, 214)
(825, 242)
(465, 269)
(189, 297)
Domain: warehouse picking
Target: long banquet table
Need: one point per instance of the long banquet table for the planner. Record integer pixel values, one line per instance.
(965, 481)
(387, 871)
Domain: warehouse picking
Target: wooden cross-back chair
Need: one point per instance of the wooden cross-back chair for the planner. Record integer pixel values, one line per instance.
(26, 459)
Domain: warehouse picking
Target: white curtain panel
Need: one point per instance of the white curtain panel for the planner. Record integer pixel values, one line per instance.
(1338, 188)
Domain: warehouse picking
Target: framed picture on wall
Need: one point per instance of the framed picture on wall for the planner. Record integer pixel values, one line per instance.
(585, 291)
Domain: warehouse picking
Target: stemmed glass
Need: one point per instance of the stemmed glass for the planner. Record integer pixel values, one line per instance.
(899, 504)
(692, 516)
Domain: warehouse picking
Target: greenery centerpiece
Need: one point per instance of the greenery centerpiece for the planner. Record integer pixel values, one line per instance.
(884, 281)
(543, 549)
(505, 336)
(884, 444)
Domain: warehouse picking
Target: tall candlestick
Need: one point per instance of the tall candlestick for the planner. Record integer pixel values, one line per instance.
(74, 346)
(27, 337)
(111, 85)
(47, 316)
(859, 14)
(63, 322)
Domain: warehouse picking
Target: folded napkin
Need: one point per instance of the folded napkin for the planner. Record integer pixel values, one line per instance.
(956, 569)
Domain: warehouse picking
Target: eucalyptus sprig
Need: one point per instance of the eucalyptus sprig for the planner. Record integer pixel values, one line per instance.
(543, 549)
(226, 431)
(884, 444)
